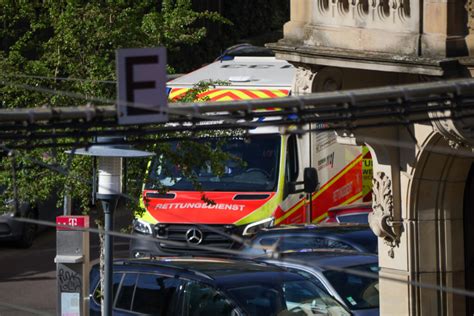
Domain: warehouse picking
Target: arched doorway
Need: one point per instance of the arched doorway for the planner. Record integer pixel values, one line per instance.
(469, 239)
(441, 190)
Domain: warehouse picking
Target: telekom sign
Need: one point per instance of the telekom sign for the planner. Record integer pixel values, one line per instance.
(71, 222)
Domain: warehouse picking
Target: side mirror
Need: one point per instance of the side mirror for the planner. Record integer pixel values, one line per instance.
(310, 180)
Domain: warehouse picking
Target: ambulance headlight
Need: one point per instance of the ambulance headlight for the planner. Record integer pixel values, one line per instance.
(142, 227)
(253, 228)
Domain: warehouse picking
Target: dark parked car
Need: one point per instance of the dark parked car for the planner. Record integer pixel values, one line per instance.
(354, 237)
(333, 271)
(211, 286)
(19, 233)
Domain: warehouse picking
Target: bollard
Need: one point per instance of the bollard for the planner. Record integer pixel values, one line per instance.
(72, 266)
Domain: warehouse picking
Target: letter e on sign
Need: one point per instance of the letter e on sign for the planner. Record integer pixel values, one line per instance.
(141, 85)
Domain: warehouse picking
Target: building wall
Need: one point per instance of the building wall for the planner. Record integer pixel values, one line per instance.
(341, 44)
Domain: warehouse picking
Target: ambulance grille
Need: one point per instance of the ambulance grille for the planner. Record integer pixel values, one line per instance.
(177, 233)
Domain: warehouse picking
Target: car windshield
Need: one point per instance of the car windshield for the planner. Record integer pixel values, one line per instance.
(358, 292)
(253, 166)
(362, 218)
(295, 297)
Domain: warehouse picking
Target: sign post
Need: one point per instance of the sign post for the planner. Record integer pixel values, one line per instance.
(72, 265)
(141, 88)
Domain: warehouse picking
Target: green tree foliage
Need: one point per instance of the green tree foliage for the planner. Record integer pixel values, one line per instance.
(44, 41)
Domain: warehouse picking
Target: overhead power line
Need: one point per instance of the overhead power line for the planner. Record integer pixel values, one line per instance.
(350, 102)
(53, 78)
(143, 135)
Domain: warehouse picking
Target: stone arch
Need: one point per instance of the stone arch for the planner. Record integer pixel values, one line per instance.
(434, 211)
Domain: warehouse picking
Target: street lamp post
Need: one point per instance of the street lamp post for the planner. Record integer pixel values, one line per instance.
(110, 151)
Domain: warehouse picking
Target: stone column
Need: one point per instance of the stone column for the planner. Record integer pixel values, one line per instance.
(386, 220)
(470, 27)
(300, 14)
(444, 23)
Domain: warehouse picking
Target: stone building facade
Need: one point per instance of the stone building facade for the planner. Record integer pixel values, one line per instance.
(423, 173)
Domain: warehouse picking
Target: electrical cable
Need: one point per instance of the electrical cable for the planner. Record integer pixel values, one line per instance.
(143, 132)
(174, 111)
(58, 78)
(169, 77)
(449, 90)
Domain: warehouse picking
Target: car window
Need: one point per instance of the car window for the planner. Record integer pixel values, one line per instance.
(309, 276)
(268, 241)
(117, 278)
(125, 293)
(259, 299)
(203, 300)
(335, 244)
(155, 294)
(301, 242)
(354, 218)
(305, 298)
(285, 298)
(358, 292)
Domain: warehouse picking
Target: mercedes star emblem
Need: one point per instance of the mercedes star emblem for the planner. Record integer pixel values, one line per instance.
(194, 236)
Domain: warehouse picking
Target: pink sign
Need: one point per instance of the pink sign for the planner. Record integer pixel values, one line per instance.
(72, 222)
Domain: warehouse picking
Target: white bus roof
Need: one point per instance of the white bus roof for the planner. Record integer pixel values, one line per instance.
(242, 72)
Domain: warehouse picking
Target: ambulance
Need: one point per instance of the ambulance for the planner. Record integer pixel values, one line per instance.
(269, 182)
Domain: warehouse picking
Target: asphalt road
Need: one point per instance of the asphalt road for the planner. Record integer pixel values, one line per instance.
(28, 276)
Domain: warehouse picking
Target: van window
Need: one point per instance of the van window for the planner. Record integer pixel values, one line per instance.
(292, 166)
(252, 166)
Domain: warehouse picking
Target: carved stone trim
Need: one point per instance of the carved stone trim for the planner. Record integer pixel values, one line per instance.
(381, 218)
(455, 126)
(470, 15)
(303, 81)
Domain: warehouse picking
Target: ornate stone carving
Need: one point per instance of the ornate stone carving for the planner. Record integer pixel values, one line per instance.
(396, 10)
(455, 126)
(303, 81)
(381, 219)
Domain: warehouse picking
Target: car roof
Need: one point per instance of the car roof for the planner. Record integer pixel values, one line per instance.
(213, 269)
(357, 235)
(356, 207)
(327, 259)
(324, 228)
(241, 72)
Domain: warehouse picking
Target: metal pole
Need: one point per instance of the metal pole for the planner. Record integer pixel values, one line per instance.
(309, 218)
(109, 205)
(67, 209)
(308, 209)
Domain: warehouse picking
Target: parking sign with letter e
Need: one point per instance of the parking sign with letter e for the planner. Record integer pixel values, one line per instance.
(141, 87)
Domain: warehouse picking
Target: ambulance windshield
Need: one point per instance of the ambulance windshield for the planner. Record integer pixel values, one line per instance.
(252, 166)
